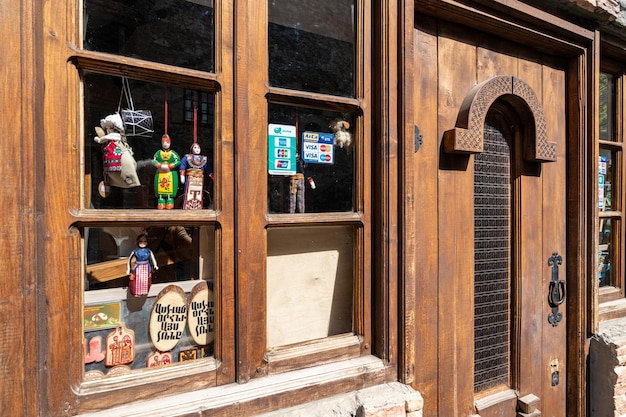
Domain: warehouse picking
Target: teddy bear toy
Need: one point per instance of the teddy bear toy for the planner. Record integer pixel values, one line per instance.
(118, 163)
(343, 138)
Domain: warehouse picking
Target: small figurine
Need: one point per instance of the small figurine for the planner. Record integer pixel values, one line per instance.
(141, 272)
(165, 181)
(119, 166)
(343, 138)
(296, 187)
(192, 170)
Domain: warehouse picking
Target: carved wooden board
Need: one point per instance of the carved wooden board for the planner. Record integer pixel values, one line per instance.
(168, 318)
(201, 320)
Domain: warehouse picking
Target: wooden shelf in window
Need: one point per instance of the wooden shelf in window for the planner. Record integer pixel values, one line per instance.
(116, 268)
(313, 218)
(95, 217)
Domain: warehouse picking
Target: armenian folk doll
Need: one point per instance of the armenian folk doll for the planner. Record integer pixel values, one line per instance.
(165, 180)
(141, 272)
(193, 168)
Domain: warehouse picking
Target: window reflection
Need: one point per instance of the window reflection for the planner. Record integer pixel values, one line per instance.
(606, 178)
(312, 46)
(607, 107)
(173, 32)
(606, 252)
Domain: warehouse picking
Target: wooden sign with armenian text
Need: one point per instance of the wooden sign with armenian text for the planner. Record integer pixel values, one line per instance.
(168, 318)
(201, 319)
(120, 347)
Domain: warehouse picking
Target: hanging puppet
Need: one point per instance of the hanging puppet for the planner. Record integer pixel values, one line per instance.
(193, 168)
(343, 138)
(296, 187)
(165, 179)
(141, 272)
(119, 166)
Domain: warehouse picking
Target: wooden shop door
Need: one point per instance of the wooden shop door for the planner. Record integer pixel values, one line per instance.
(519, 271)
(497, 178)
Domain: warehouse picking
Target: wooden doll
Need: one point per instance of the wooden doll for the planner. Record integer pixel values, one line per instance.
(141, 271)
(165, 180)
(192, 171)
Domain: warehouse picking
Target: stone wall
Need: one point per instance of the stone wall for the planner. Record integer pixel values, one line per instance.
(607, 370)
(389, 400)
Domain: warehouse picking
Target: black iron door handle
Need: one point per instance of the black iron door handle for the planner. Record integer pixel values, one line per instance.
(556, 290)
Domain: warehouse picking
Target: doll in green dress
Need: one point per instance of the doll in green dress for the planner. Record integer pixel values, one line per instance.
(166, 178)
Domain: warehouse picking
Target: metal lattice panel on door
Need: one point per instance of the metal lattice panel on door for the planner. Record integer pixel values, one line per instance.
(492, 261)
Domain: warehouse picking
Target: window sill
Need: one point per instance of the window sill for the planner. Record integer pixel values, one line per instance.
(261, 395)
(612, 309)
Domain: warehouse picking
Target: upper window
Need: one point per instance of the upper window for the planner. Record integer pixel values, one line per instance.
(312, 47)
(180, 33)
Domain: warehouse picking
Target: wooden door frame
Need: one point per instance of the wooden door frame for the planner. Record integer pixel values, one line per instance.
(420, 302)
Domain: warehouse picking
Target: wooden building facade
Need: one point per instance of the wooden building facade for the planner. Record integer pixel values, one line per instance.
(338, 196)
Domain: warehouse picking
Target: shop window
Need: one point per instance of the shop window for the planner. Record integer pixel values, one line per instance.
(610, 165)
(317, 184)
(310, 172)
(148, 221)
(121, 170)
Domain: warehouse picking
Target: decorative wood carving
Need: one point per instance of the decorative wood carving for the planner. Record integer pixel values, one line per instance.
(467, 136)
(168, 318)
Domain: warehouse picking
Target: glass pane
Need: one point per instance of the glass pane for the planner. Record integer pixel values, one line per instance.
(148, 297)
(312, 46)
(177, 33)
(309, 283)
(310, 168)
(607, 180)
(606, 252)
(607, 107)
(126, 171)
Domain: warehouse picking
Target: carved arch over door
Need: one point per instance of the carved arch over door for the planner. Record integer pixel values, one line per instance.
(467, 136)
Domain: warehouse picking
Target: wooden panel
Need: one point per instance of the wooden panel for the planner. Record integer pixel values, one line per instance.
(456, 234)
(60, 252)
(251, 128)
(530, 261)
(554, 230)
(492, 63)
(422, 210)
(18, 287)
(309, 283)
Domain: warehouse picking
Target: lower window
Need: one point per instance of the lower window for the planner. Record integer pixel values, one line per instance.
(149, 297)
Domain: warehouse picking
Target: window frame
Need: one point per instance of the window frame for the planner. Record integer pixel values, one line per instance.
(220, 369)
(611, 298)
(254, 219)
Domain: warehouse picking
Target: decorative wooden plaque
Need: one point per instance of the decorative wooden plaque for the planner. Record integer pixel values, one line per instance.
(120, 347)
(95, 349)
(168, 318)
(201, 319)
(158, 359)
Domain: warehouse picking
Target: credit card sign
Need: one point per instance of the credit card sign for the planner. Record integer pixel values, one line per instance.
(317, 148)
(281, 149)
